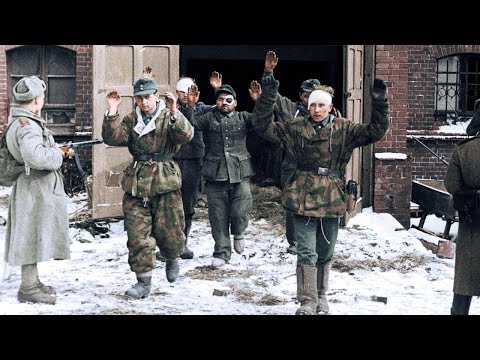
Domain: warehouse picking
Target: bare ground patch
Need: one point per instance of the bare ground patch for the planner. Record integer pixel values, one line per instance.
(247, 295)
(210, 273)
(403, 263)
(267, 205)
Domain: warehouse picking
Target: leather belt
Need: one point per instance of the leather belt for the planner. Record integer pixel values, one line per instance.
(321, 171)
(154, 157)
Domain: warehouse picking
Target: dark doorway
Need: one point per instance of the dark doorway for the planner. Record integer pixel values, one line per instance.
(240, 64)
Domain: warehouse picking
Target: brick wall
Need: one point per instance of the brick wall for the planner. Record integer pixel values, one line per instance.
(392, 180)
(424, 164)
(393, 188)
(410, 73)
(84, 106)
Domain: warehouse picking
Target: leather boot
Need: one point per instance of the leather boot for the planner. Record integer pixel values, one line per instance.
(46, 289)
(141, 289)
(29, 288)
(307, 289)
(238, 244)
(187, 253)
(460, 304)
(323, 271)
(35, 295)
(172, 268)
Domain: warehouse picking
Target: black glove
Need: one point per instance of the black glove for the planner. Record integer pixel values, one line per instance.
(269, 84)
(379, 89)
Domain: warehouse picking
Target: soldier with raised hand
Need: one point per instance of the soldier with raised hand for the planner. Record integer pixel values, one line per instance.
(152, 203)
(287, 110)
(227, 170)
(190, 156)
(321, 145)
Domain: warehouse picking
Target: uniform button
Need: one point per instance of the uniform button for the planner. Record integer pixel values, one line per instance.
(228, 153)
(226, 137)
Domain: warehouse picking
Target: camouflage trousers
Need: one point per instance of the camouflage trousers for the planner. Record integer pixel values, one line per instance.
(316, 239)
(159, 221)
(229, 208)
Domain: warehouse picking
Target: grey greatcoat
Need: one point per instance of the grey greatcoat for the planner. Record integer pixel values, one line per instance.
(464, 173)
(37, 226)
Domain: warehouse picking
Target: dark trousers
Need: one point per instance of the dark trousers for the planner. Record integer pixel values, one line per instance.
(460, 304)
(229, 208)
(288, 168)
(190, 169)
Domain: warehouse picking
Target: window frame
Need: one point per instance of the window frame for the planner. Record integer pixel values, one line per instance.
(48, 108)
(461, 93)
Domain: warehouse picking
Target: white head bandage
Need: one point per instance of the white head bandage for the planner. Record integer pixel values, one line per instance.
(184, 84)
(319, 96)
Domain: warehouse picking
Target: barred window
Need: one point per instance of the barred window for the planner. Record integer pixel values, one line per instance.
(457, 87)
(54, 65)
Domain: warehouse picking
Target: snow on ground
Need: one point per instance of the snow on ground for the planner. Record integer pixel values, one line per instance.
(375, 256)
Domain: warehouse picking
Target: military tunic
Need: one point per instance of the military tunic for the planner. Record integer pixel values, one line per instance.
(306, 192)
(152, 203)
(317, 199)
(227, 169)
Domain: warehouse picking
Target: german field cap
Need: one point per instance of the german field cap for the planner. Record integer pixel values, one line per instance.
(144, 86)
(225, 89)
(309, 85)
(34, 86)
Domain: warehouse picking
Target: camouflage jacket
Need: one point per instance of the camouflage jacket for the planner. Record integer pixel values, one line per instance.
(149, 178)
(286, 110)
(225, 137)
(307, 193)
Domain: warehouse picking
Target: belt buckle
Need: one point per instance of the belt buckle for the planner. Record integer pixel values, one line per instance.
(323, 171)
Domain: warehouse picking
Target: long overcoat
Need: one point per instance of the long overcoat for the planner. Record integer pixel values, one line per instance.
(37, 225)
(463, 173)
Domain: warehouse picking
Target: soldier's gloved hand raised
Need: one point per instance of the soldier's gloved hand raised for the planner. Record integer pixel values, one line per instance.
(270, 84)
(379, 89)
